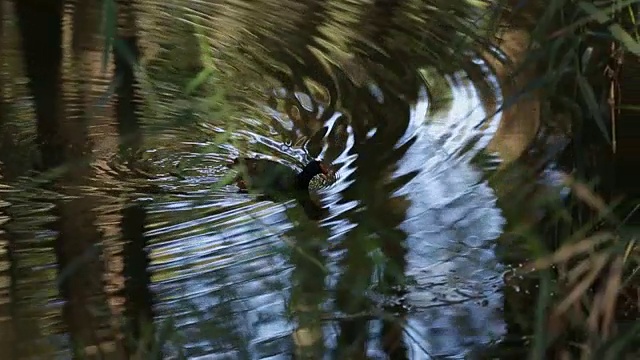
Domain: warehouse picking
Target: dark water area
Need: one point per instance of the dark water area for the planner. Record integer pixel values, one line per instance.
(119, 237)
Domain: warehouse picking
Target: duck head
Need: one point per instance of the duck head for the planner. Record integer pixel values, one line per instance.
(312, 169)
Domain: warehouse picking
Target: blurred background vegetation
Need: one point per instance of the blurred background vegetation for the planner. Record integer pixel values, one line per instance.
(484, 206)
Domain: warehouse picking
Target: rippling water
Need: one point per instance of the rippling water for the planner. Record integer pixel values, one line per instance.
(402, 267)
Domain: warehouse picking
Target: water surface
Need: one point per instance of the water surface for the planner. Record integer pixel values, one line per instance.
(142, 238)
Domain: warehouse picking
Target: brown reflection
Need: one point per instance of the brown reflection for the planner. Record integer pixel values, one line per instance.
(81, 274)
(14, 150)
(3, 46)
(7, 334)
(7, 293)
(63, 140)
(40, 25)
(139, 300)
(25, 284)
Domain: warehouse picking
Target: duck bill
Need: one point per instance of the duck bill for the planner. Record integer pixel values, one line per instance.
(328, 176)
(326, 172)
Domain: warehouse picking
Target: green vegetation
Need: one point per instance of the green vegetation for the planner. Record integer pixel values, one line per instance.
(583, 255)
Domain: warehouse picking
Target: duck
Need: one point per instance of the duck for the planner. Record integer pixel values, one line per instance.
(277, 181)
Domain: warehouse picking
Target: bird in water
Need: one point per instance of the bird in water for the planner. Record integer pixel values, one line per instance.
(277, 181)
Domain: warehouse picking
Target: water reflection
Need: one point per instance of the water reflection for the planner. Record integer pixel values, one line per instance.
(401, 267)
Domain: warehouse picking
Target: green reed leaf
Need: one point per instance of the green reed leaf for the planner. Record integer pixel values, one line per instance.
(592, 104)
(616, 30)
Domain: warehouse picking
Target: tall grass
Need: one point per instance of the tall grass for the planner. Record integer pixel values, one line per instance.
(584, 256)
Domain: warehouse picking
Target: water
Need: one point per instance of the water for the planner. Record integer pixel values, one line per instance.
(402, 266)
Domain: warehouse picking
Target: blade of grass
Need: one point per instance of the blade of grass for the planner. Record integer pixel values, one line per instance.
(598, 263)
(616, 30)
(592, 104)
(568, 251)
(613, 8)
(610, 297)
